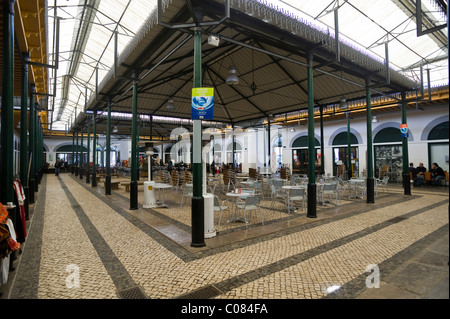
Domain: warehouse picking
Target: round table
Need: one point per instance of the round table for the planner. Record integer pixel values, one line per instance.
(236, 218)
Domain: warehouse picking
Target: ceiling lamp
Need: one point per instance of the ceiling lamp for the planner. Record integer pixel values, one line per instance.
(292, 129)
(374, 119)
(343, 105)
(115, 129)
(232, 78)
(170, 105)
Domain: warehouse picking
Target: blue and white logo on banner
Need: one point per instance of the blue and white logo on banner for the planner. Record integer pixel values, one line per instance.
(404, 130)
(202, 103)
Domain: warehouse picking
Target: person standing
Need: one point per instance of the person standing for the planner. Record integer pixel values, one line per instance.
(57, 166)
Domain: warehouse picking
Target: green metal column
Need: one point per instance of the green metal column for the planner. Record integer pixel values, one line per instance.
(311, 213)
(31, 142)
(137, 151)
(213, 164)
(322, 146)
(233, 148)
(406, 180)
(349, 148)
(7, 121)
(94, 153)
(134, 166)
(88, 154)
(36, 151)
(77, 162)
(197, 210)
(81, 155)
(370, 180)
(24, 128)
(73, 152)
(24, 137)
(108, 152)
(40, 146)
(269, 165)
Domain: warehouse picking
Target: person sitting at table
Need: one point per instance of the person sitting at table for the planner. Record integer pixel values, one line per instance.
(437, 174)
(420, 177)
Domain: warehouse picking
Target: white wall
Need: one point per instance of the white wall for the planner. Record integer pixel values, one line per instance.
(417, 121)
(254, 141)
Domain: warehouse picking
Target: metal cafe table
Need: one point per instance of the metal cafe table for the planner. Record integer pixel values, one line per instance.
(242, 195)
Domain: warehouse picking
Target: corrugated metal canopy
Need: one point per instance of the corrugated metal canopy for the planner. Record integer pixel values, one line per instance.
(256, 39)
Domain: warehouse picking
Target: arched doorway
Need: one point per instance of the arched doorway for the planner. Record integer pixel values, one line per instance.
(300, 155)
(340, 155)
(388, 153)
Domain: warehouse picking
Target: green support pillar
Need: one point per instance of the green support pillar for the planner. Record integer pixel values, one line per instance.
(311, 213)
(370, 180)
(73, 152)
(233, 148)
(40, 146)
(134, 166)
(137, 152)
(31, 145)
(36, 150)
(77, 162)
(24, 136)
(197, 210)
(7, 121)
(269, 165)
(349, 148)
(94, 153)
(81, 155)
(108, 152)
(406, 180)
(213, 164)
(88, 155)
(322, 146)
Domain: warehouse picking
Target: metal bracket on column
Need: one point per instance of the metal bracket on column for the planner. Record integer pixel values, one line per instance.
(422, 96)
(421, 32)
(196, 23)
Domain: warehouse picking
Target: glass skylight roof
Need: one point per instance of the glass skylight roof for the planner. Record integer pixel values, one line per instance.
(83, 47)
(369, 24)
(364, 24)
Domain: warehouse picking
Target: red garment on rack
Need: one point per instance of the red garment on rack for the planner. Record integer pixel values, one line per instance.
(21, 199)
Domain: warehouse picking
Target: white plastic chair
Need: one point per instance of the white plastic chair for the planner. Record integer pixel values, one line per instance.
(330, 190)
(277, 195)
(382, 184)
(296, 194)
(187, 191)
(250, 203)
(220, 207)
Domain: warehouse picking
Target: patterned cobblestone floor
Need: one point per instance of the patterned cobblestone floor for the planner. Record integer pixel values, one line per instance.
(93, 247)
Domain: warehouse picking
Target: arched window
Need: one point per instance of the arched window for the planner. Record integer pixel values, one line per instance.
(388, 135)
(341, 155)
(439, 132)
(300, 156)
(438, 151)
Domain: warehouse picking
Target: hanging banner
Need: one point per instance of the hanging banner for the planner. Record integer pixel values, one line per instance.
(202, 103)
(404, 130)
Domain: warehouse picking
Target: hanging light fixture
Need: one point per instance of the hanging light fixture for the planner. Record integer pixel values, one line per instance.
(374, 119)
(232, 78)
(170, 105)
(115, 129)
(343, 105)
